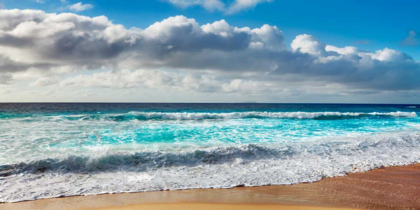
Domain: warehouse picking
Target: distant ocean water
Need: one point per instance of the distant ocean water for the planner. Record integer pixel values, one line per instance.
(53, 150)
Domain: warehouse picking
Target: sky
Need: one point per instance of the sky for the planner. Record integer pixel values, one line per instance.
(272, 51)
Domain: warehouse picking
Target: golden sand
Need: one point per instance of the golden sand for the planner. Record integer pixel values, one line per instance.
(386, 188)
(191, 206)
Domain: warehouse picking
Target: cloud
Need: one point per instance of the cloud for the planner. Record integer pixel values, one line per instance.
(218, 5)
(173, 80)
(46, 81)
(240, 5)
(308, 44)
(180, 53)
(5, 79)
(6, 92)
(2, 6)
(411, 40)
(79, 7)
(209, 5)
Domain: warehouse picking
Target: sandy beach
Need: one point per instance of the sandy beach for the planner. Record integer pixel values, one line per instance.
(385, 188)
(209, 104)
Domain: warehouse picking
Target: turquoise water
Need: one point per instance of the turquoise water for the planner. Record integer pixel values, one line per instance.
(50, 150)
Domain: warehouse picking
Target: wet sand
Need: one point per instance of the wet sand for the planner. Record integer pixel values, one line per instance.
(385, 188)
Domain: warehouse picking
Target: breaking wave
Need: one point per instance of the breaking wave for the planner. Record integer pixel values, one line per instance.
(216, 167)
(64, 150)
(239, 115)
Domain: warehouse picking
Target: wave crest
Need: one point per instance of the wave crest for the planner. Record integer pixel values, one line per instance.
(153, 160)
(239, 115)
(220, 167)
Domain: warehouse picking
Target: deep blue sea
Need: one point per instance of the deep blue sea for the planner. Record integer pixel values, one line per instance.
(53, 150)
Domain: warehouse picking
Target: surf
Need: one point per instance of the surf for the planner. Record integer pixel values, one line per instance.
(143, 116)
(214, 167)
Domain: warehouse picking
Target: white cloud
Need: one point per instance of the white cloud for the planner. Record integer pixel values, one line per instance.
(6, 92)
(218, 5)
(240, 5)
(79, 7)
(179, 53)
(308, 44)
(5, 79)
(46, 81)
(174, 80)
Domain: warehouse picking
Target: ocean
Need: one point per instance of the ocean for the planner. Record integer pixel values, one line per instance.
(57, 149)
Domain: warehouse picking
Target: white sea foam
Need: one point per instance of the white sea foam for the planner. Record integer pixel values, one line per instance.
(46, 156)
(236, 115)
(219, 167)
(297, 115)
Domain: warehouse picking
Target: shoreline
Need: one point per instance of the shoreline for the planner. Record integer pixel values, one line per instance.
(393, 187)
